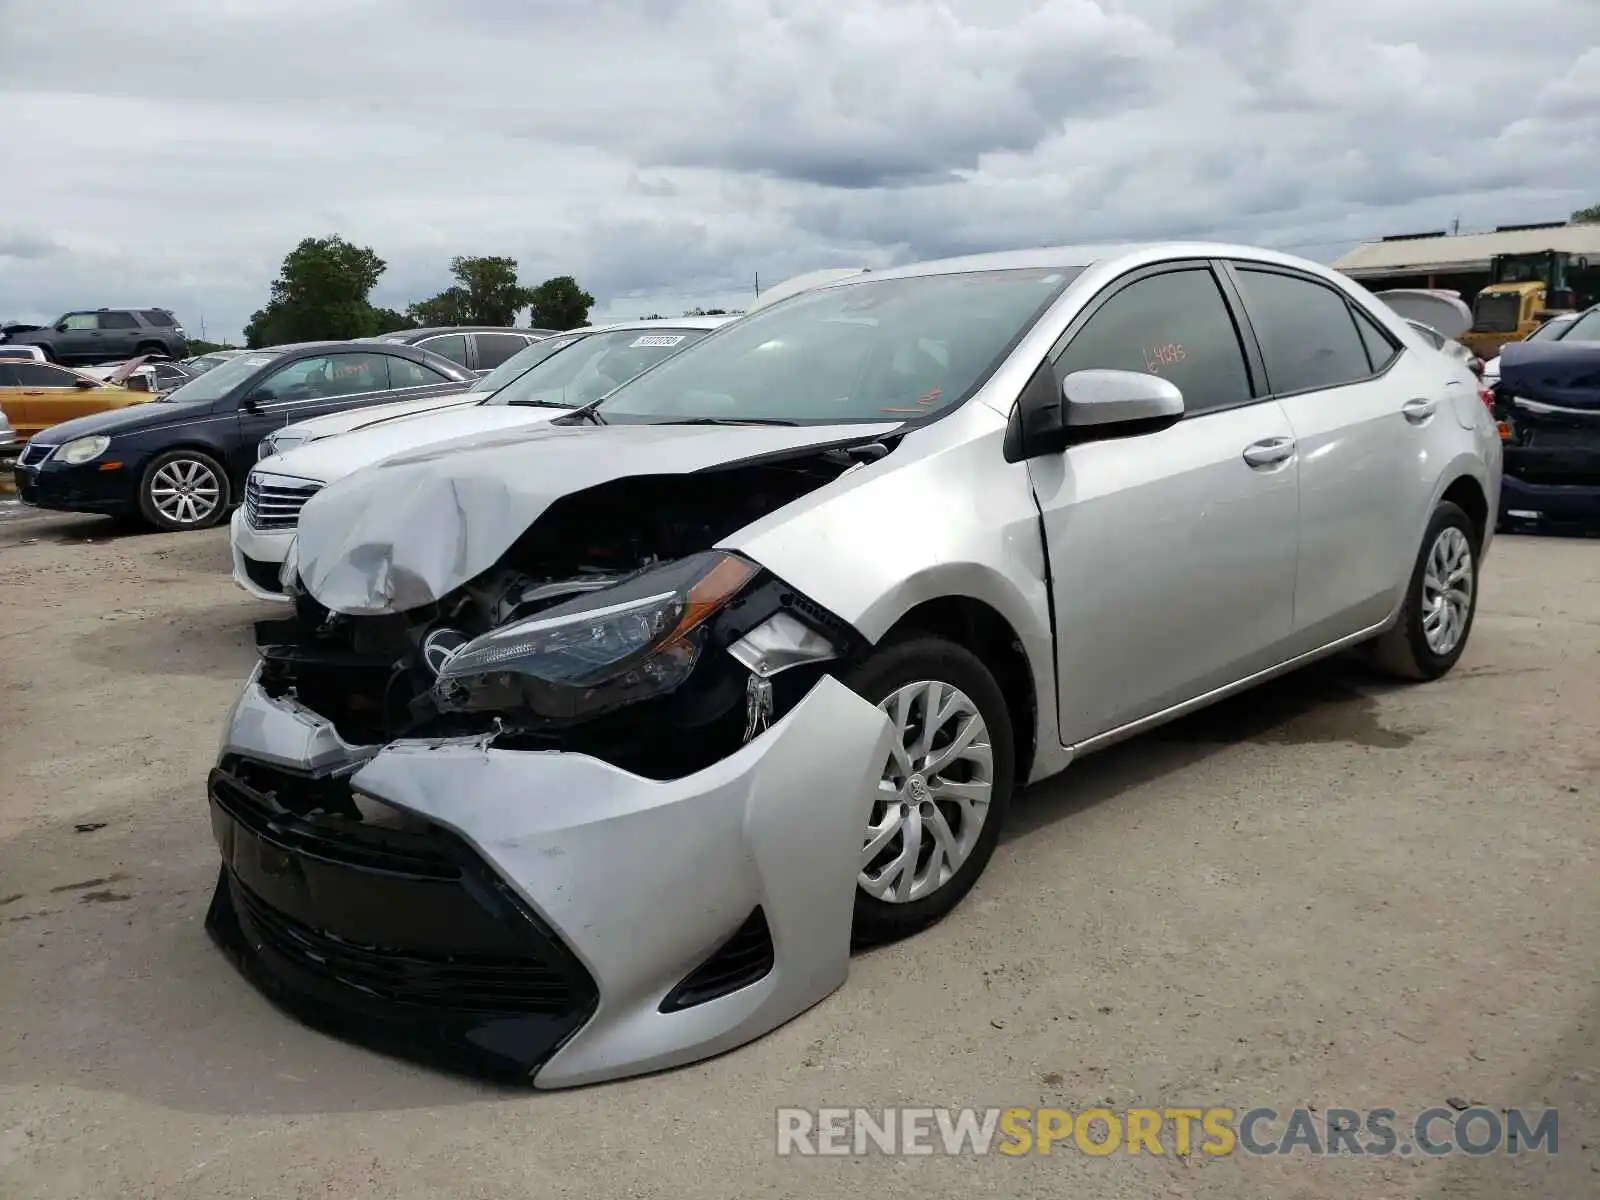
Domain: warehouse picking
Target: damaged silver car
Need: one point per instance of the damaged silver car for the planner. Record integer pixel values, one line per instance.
(590, 746)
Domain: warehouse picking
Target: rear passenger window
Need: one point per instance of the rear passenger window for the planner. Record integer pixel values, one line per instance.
(495, 348)
(1307, 336)
(403, 373)
(1175, 325)
(1381, 351)
(448, 345)
(117, 320)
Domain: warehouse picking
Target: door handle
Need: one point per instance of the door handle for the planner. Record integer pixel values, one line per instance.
(1419, 410)
(1269, 452)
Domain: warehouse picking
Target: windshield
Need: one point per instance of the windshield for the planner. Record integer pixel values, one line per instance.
(1585, 329)
(898, 349)
(588, 367)
(206, 361)
(529, 356)
(220, 380)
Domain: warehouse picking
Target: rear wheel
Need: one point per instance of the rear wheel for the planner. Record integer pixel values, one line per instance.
(183, 489)
(1441, 600)
(151, 348)
(944, 789)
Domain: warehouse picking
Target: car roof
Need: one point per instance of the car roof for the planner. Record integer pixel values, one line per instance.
(433, 330)
(1122, 254)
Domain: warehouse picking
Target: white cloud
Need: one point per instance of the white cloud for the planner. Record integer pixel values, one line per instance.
(665, 151)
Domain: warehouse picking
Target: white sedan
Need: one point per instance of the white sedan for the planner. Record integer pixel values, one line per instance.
(544, 381)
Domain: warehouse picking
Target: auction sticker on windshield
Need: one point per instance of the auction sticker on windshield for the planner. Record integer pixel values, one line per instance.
(258, 360)
(657, 339)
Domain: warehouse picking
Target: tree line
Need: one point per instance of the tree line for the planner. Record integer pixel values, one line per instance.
(322, 292)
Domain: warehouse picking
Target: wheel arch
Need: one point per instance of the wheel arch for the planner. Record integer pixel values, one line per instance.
(979, 627)
(1466, 492)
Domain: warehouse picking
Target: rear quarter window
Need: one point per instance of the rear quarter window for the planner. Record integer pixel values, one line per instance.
(154, 316)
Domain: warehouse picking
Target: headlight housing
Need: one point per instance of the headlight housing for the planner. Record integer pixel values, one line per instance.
(82, 450)
(605, 650)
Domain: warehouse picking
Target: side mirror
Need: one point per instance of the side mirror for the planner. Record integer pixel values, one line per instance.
(85, 384)
(1118, 402)
(251, 403)
(1087, 406)
(62, 327)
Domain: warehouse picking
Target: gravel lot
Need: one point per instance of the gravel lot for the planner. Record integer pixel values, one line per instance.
(1330, 892)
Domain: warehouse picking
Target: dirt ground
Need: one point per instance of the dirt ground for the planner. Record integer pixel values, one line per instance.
(1332, 892)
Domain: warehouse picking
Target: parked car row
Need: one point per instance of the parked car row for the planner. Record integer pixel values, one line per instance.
(607, 711)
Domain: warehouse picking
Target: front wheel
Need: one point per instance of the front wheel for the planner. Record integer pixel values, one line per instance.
(945, 786)
(183, 489)
(1441, 600)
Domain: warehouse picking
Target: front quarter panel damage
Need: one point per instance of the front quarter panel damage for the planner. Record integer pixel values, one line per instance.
(644, 878)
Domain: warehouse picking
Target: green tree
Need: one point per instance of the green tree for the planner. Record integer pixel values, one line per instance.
(559, 303)
(389, 320)
(1587, 216)
(449, 307)
(321, 292)
(486, 292)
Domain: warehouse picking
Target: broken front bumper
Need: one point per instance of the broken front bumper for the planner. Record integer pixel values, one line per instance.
(1552, 486)
(258, 557)
(543, 916)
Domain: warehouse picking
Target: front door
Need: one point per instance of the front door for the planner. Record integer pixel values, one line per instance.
(1172, 554)
(1361, 411)
(47, 395)
(78, 338)
(306, 388)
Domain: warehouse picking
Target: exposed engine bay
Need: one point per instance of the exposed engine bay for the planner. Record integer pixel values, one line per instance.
(605, 629)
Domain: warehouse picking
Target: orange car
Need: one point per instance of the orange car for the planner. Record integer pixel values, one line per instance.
(35, 396)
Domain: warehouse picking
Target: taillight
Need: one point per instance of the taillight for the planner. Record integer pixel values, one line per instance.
(1476, 366)
(1486, 394)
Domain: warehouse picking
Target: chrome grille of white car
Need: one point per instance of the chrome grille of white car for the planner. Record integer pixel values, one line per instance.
(272, 505)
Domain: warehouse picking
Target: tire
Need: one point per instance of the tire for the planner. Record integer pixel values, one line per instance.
(1406, 651)
(151, 348)
(908, 667)
(174, 470)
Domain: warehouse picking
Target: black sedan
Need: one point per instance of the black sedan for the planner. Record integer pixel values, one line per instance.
(180, 461)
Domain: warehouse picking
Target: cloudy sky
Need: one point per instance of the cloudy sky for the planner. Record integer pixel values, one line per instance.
(666, 151)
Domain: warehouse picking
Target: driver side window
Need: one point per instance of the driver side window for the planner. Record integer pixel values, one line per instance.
(1175, 325)
(325, 376)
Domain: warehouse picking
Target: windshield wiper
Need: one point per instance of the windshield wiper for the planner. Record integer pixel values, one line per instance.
(586, 412)
(730, 421)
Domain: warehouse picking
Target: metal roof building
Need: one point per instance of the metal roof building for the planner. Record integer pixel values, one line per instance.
(1443, 254)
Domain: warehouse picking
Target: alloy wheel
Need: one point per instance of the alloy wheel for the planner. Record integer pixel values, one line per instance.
(185, 491)
(1447, 590)
(933, 797)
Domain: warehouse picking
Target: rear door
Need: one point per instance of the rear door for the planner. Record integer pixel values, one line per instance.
(1172, 554)
(1361, 409)
(119, 333)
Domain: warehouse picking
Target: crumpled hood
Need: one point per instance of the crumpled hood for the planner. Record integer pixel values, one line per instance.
(413, 528)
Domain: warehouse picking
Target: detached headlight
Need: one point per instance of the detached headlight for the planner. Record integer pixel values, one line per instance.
(278, 443)
(82, 450)
(587, 656)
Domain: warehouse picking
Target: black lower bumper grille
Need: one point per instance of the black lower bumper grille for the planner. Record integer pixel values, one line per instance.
(264, 574)
(401, 938)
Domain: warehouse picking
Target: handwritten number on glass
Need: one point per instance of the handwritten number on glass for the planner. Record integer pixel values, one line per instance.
(1157, 357)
